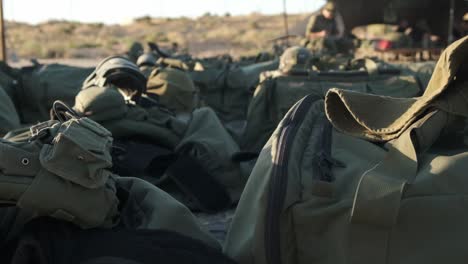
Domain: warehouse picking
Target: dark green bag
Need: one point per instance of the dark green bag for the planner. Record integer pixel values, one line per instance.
(174, 88)
(107, 106)
(363, 179)
(228, 90)
(201, 146)
(41, 85)
(9, 118)
(278, 92)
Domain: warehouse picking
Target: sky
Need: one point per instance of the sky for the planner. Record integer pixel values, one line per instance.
(118, 11)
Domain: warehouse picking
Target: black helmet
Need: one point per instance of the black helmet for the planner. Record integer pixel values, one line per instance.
(120, 72)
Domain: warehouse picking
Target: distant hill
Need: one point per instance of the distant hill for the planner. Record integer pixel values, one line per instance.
(205, 36)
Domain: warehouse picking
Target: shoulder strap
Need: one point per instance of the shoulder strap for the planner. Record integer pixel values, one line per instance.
(379, 192)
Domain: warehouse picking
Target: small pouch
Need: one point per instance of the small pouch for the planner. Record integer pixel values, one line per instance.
(79, 153)
(48, 195)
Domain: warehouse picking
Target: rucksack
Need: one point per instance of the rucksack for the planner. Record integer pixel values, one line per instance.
(228, 90)
(363, 179)
(41, 85)
(278, 92)
(107, 106)
(174, 87)
(45, 241)
(195, 153)
(62, 169)
(9, 118)
(144, 212)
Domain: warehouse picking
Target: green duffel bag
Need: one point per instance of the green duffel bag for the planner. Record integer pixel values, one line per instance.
(142, 206)
(208, 141)
(278, 92)
(194, 154)
(41, 85)
(148, 207)
(174, 88)
(363, 179)
(71, 160)
(107, 106)
(228, 90)
(61, 170)
(9, 118)
(10, 79)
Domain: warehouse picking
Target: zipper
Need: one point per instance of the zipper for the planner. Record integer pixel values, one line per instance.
(324, 160)
(278, 181)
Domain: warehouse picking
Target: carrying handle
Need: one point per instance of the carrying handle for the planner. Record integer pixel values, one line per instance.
(62, 112)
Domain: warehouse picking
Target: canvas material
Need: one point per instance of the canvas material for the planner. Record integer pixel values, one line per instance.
(399, 112)
(212, 145)
(175, 89)
(149, 207)
(69, 160)
(202, 136)
(107, 106)
(42, 85)
(227, 89)
(9, 118)
(278, 92)
(318, 212)
(390, 203)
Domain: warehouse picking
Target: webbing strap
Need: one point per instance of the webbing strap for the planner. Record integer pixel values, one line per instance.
(379, 192)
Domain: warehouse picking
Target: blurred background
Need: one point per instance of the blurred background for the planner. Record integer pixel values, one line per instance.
(91, 29)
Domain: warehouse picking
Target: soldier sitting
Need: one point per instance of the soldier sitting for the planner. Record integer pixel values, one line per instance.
(325, 31)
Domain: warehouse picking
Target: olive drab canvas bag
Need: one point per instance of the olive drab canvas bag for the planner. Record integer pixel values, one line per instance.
(9, 118)
(46, 241)
(107, 106)
(363, 178)
(278, 92)
(41, 85)
(62, 170)
(208, 141)
(155, 145)
(174, 88)
(228, 90)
